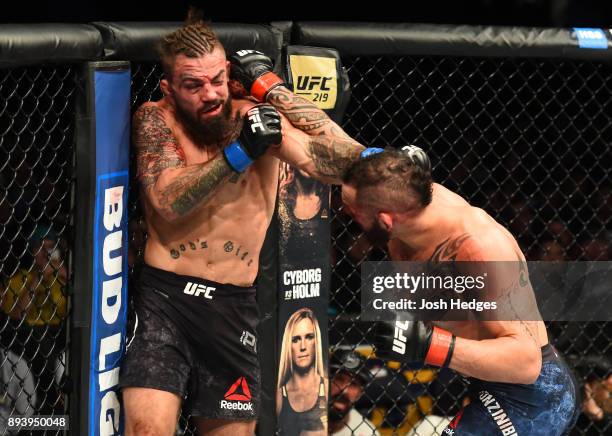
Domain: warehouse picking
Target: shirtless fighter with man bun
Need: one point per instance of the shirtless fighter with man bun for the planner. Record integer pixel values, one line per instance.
(208, 166)
(519, 383)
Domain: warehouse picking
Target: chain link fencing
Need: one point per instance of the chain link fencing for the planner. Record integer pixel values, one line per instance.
(36, 217)
(524, 139)
(527, 140)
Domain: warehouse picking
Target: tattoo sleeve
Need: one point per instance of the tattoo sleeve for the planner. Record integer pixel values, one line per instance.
(305, 115)
(332, 156)
(173, 187)
(328, 147)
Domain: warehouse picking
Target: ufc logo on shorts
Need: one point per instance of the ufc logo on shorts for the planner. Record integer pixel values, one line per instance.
(249, 340)
(197, 289)
(246, 52)
(255, 120)
(399, 340)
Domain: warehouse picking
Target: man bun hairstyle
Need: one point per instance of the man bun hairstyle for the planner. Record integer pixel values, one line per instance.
(194, 39)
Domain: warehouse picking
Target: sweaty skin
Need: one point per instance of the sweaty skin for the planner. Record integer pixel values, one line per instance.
(204, 219)
(449, 228)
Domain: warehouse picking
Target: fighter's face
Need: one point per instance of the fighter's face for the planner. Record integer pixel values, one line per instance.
(200, 95)
(303, 344)
(345, 391)
(373, 230)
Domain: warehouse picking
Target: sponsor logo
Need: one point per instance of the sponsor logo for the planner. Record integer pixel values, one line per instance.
(110, 288)
(399, 340)
(249, 340)
(591, 38)
(238, 396)
(309, 82)
(315, 78)
(197, 289)
(255, 120)
(450, 430)
(246, 52)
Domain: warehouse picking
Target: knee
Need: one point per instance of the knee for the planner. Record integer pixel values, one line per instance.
(140, 427)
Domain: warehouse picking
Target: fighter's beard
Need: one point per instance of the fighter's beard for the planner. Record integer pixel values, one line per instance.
(217, 131)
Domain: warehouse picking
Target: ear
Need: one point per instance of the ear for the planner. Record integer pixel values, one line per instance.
(386, 220)
(165, 87)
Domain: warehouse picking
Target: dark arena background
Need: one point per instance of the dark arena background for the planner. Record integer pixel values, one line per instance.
(513, 107)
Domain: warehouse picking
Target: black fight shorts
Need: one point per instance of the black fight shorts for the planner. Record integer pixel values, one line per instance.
(197, 339)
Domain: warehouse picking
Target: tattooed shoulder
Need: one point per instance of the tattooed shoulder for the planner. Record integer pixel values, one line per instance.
(449, 249)
(157, 147)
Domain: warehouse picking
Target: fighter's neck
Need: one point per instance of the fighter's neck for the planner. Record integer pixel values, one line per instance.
(418, 234)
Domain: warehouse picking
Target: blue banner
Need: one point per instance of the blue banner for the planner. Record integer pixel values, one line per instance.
(109, 299)
(591, 38)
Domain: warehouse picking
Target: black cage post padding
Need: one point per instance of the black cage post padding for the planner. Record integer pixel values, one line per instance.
(137, 41)
(400, 39)
(27, 44)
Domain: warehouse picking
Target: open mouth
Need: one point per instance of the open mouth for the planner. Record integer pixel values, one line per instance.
(213, 110)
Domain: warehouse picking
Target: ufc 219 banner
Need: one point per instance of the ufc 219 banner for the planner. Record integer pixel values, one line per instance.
(304, 266)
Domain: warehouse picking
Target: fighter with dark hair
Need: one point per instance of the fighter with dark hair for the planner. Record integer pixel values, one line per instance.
(519, 383)
(208, 166)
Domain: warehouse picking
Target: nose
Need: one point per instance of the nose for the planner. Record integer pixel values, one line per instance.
(302, 344)
(208, 93)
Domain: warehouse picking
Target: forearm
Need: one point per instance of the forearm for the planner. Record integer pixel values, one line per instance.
(323, 158)
(305, 115)
(505, 359)
(179, 191)
(331, 157)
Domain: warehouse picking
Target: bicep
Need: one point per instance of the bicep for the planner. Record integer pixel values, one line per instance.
(157, 148)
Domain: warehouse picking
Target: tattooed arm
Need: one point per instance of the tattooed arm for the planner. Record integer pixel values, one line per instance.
(173, 188)
(305, 115)
(510, 349)
(312, 142)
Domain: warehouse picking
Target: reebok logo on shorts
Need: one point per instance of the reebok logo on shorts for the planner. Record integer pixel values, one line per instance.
(238, 396)
(197, 289)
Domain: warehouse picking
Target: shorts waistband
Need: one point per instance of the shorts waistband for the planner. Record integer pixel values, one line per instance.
(550, 354)
(169, 281)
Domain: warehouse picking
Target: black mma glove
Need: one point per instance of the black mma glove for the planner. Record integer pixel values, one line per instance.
(413, 341)
(418, 156)
(261, 129)
(253, 70)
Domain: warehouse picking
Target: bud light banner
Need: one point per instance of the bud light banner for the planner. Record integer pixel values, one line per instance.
(110, 224)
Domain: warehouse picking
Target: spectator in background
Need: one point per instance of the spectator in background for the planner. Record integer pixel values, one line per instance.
(349, 378)
(551, 250)
(35, 301)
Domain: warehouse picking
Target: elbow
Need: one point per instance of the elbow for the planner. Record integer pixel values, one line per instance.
(165, 213)
(530, 370)
(162, 208)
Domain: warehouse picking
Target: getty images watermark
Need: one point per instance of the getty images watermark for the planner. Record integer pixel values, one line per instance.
(462, 291)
